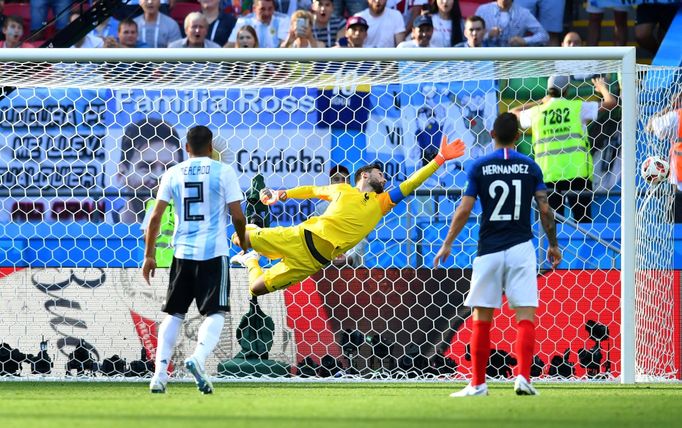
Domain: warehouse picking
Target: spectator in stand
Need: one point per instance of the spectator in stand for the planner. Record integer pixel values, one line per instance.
(127, 36)
(155, 28)
(272, 28)
(288, 7)
(474, 31)
(2, 17)
(89, 41)
(107, 28)
(356, 33)
(39, 11)
(349, 7)
(196, 28)
(13, 30)
(409, 9)
(596, 15)
(421, 33)
(246, 37)
(220, 24)
(510, 23)
(550, 14)
(301, 32)
(447, 24)
(326, 26)
(653, 21)
(572, 40)
(132, 9)
(386, 26)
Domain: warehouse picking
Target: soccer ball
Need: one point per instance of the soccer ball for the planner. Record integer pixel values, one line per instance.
(655, 170)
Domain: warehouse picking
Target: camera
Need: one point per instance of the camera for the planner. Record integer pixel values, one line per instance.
(590, 360)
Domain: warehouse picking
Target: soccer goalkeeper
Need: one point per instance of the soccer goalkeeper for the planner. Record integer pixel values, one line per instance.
(352, 214)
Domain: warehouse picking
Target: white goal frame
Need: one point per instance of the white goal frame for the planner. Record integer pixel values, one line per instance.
(625, 55)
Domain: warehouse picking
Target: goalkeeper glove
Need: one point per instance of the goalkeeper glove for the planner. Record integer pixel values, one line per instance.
(449, 151)
(269, 196)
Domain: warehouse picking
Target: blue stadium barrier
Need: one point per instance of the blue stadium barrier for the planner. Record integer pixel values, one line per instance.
(669, 53)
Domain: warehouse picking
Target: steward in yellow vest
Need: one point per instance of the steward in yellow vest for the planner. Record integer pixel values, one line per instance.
(560, 143)
(164, 243)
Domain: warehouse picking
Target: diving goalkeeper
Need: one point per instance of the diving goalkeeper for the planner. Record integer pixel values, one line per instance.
(352, 214)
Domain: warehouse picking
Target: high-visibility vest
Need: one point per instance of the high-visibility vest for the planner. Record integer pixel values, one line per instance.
(164, 242)
(676, 153)
(560, 142)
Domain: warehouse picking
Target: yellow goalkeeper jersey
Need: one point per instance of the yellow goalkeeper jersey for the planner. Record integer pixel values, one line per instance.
(351, 214)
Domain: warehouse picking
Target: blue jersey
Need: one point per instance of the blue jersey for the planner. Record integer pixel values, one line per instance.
(506, 182)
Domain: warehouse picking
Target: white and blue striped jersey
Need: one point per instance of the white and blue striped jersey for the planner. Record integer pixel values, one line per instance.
(200, 188)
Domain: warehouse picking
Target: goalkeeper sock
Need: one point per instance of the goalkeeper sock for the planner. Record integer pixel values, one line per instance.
(169, 330)
(525, 344)
(480, 351)
(208, 336)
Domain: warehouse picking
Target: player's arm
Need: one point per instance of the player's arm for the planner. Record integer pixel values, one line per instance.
(609, 101)
(239, 222)
(269, 196)
(460, 218)
(152, 232)
(448, 151)
(548, 224)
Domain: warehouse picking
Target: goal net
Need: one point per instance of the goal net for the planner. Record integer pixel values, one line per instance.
(87, 134)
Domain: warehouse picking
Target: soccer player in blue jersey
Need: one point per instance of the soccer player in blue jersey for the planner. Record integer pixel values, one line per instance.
(506, 182)
(203, 190)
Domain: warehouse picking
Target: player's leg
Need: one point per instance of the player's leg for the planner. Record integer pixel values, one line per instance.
(212, 294)
(287, 272)
(595, 17)
(480, 344)
(287, 243)
(169, 330)
(522, 294)
(485, 295)
(178, 299)
(555, 195)
(581, 203)
(249, 228)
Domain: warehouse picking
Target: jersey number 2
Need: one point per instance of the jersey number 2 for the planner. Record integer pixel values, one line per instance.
(191, 199)
(504, 193)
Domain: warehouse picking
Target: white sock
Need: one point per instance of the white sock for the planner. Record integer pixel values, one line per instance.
(208, 337)
(169, 330)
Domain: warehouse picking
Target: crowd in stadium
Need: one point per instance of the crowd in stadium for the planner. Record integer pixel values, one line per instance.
(336, 23)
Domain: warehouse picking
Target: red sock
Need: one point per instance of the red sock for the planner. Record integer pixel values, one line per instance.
(480, 351)
(525, 345)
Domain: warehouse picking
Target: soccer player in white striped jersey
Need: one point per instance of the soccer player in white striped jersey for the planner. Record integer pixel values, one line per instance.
(203, 190)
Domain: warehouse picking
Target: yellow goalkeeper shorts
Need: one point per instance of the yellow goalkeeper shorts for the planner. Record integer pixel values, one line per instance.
(302, 254)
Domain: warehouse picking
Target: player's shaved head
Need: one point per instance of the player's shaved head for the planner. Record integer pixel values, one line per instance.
(506, 129)
(199, 140)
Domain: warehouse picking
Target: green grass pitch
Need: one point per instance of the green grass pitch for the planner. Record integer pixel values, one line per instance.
(348, 405)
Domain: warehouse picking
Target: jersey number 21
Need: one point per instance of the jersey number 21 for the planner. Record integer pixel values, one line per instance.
(500, 189)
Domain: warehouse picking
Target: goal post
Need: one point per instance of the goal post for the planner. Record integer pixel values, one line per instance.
(291, 115)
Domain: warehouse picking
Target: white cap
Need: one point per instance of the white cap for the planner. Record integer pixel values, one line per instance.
(559, 82)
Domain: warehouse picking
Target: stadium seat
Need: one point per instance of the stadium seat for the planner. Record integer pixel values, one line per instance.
(28, 211)
(181, 9)
(468, 8)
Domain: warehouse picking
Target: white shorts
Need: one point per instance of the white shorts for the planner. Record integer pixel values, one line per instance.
(512, 272)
